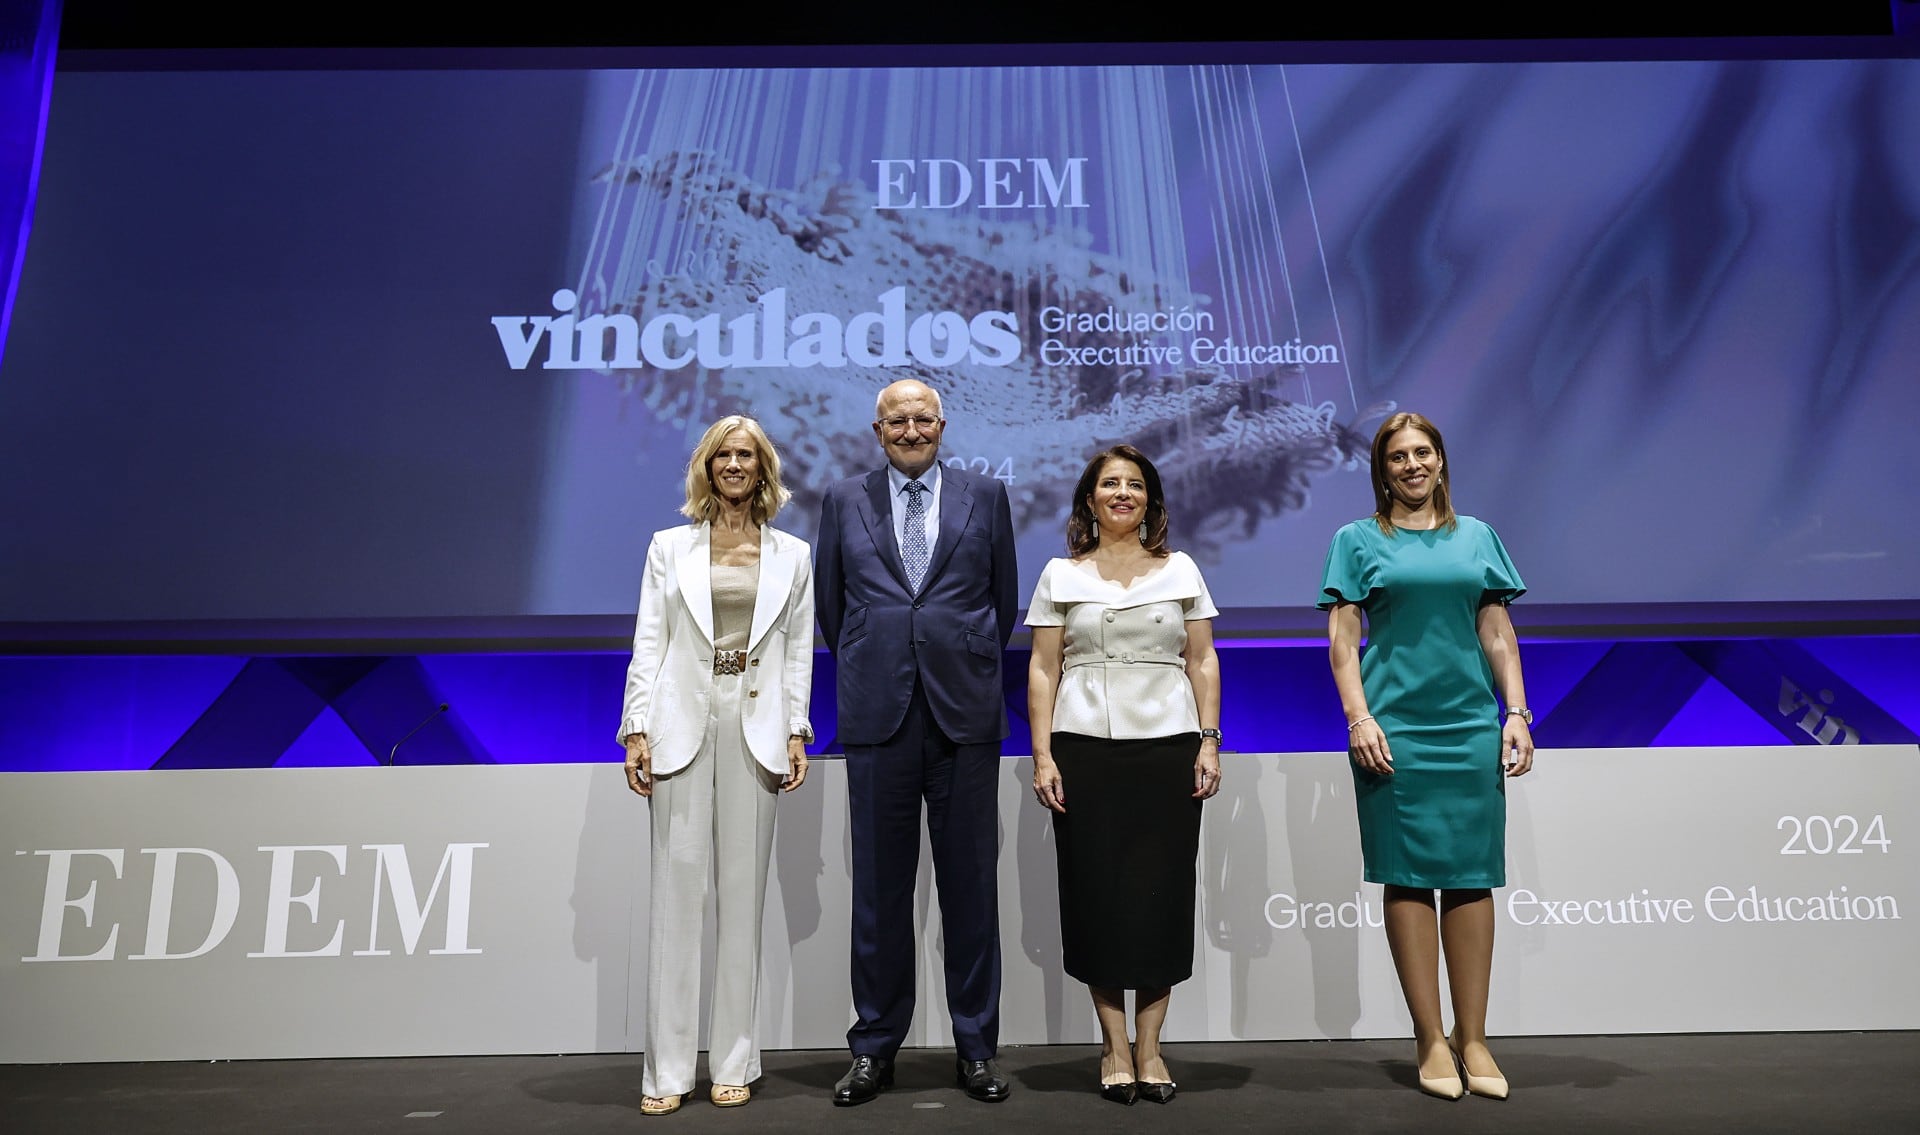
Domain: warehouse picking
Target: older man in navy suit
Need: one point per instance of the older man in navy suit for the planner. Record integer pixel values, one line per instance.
(915, 586)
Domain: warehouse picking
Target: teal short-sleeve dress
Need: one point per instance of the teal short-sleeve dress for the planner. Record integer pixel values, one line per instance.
(1440, 820)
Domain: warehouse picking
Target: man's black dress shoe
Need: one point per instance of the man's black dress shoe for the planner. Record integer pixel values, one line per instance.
(1124, 1092)
(869, 1076)
(1158, 1093)
(982, 1079)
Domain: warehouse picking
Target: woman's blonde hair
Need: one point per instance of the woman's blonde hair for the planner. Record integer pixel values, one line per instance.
(1442, 483)
(702, 498)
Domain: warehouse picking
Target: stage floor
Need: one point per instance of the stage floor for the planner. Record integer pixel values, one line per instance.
(1777, 1082)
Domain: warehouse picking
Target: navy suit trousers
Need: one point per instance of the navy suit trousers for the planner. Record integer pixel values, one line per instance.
(886, 786)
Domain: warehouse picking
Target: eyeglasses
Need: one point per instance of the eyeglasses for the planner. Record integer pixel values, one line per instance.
(923, 422)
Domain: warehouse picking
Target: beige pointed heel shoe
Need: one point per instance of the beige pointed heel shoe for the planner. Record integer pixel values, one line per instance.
(1490, 1087)
(1445, 1087)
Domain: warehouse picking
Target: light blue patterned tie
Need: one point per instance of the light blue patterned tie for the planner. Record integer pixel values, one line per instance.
(913, 542)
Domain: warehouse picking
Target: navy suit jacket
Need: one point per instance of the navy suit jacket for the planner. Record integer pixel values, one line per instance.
(951, 634)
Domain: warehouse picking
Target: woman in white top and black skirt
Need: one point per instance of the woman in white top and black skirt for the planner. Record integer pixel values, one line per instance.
(1124, 699)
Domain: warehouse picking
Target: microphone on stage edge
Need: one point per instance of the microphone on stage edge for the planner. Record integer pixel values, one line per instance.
(438, 710)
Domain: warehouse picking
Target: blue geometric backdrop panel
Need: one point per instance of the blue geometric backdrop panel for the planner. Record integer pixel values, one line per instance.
(190, 711)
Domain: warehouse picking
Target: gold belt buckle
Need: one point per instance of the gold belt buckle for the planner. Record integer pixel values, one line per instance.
(729, 661)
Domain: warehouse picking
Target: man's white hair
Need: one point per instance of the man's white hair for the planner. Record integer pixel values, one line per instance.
(880, 399)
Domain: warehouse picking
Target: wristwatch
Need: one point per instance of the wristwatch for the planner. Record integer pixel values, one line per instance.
(1522, 712)
(1212, 734)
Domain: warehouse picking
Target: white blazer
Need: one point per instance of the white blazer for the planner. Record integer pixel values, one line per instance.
(670, 680)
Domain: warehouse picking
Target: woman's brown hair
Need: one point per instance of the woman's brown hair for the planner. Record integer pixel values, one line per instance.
(1383, 499)
(1083, 532)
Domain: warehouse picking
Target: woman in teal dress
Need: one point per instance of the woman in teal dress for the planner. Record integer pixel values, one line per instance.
(1431, 746)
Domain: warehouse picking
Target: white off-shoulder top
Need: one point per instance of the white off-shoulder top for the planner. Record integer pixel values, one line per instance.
(1123, 670)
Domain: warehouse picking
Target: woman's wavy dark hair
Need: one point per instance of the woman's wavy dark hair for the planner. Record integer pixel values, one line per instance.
(1083, 532)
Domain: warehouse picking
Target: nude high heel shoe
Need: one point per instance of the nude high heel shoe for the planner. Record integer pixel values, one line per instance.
(1491, 1087)
(1446, 1087)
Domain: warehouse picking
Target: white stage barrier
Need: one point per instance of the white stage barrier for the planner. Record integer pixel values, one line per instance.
(376, 912)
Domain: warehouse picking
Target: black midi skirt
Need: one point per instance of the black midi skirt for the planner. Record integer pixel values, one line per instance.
(1126, 849)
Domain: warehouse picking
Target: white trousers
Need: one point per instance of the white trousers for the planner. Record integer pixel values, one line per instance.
(712, 820)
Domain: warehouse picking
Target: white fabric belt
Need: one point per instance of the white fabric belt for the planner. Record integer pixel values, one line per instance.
(1127, 658)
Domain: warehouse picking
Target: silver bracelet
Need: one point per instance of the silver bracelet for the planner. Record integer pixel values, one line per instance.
(1357, 724)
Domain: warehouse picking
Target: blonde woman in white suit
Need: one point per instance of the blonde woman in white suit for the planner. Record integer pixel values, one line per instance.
(715, 726)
